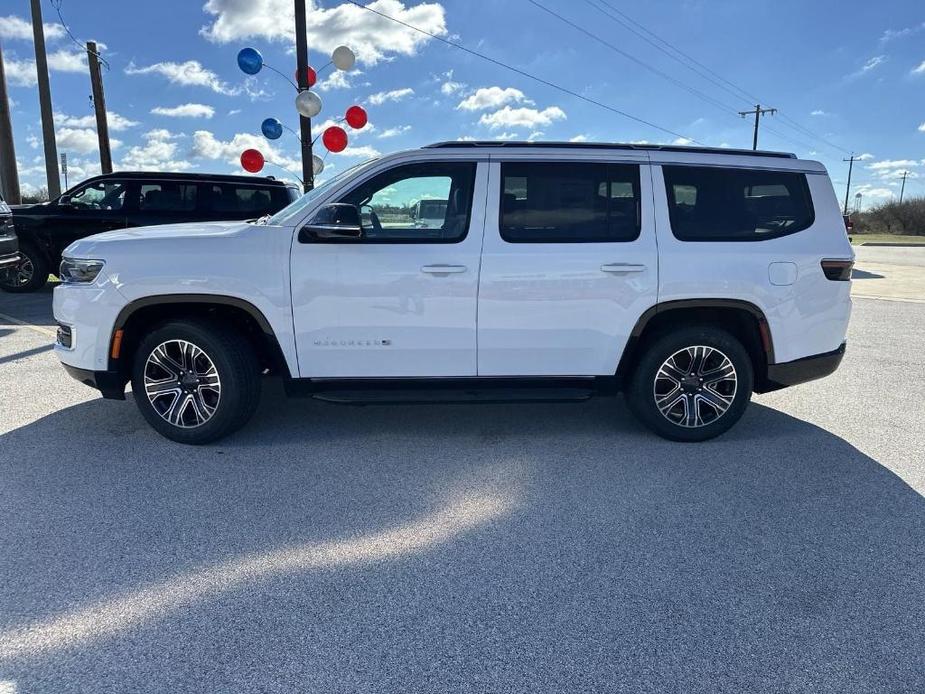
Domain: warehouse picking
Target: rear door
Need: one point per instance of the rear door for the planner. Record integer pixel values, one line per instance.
(569, 264)
(163, 202)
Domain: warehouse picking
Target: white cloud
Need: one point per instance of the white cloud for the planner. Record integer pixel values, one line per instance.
(819, 112)
(160, 152)
(116, 122)
(681, 141)
(362, 152)
(892, 164)
(338, 79)
(579, 138)
(191, 74)
(82, 140)
(867, 156)
(184, 111)
(922, 128)
(450, 87)
(920, 70)
(486, 98)
(871, 64)
(67, 61)
(21, 73)
(394, 132)
(893, 34)
(207, 146)
(508, 117)
(18, 29)
(380, 98)
(372, 37)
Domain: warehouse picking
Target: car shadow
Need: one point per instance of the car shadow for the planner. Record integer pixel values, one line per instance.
(865, 275)
(34, 308)
(778, 557)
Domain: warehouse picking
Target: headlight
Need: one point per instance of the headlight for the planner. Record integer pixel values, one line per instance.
(78, 270)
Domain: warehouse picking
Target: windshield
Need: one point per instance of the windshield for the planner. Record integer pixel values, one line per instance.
(291, 212)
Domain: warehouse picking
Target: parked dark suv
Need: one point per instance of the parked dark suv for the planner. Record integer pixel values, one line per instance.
(132, 199)
(9, 257)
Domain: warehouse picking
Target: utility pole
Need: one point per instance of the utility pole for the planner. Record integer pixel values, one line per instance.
(305, 124)
(99, 105)
(9, 176)
(848, 187)
(903, 189)
(48, 123)
(758, 112)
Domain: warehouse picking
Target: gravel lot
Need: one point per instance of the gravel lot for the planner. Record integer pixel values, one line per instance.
(490, 548)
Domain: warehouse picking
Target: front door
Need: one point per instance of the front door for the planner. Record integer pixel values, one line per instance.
(91, 209)
(401, 300)
(569, 264)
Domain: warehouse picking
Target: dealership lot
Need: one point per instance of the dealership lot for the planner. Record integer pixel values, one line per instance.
(470, 548)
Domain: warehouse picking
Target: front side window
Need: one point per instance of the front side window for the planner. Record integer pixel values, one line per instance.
(726, 204)
(568, 202)
(417, 202)
(103, 195)
(167, 196)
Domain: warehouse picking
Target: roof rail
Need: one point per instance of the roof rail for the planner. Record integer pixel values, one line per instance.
(507, 144)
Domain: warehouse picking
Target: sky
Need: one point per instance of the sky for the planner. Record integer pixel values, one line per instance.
(845, 76)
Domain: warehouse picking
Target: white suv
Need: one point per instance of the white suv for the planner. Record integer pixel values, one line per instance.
(688, 278)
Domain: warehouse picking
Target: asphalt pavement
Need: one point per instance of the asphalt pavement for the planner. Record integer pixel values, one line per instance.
(468, 548)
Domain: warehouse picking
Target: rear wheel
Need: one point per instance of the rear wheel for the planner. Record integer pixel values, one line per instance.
(195, 382)
(29, 275)
(692, 384)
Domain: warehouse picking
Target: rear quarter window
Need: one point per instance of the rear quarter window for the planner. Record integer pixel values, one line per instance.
(735, 204)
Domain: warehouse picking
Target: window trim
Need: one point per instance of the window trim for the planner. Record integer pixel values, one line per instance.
(473, 163)
(753, 238)
(639, 206)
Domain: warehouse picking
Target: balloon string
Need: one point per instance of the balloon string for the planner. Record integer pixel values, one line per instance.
(293, 132)
(267, 161)
(270, 67)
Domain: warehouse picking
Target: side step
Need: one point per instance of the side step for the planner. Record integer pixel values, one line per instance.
(419, 396)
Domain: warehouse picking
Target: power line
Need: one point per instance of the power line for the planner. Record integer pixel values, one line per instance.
(57, 5)
(719, 80)
(524, 73)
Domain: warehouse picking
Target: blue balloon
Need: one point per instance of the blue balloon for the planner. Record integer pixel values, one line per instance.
(250, 61)
(272, 129)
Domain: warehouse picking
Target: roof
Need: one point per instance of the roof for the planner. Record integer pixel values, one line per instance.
(179, 175)
(507, 144)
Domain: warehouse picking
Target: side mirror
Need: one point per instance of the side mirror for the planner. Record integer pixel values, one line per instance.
(64, 201)
(335, 222)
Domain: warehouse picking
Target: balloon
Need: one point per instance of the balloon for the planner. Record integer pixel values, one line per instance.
(343, 58)
(335, 139)
(317, 164)
(356, 117)
(308, 104)
(312, 76)
(252, 160)
(271, 128)
(250, 61)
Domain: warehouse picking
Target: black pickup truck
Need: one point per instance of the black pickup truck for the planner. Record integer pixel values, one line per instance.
(9, 247)
(132, 199)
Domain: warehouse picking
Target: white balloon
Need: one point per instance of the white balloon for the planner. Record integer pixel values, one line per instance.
(343, 58)
(308, 104)
(317, 164)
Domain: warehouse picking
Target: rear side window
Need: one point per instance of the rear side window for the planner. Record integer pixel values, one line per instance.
(167, 197)
(568, 202)
(725, 204)
(242, 201)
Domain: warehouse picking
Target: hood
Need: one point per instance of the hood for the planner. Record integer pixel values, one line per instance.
(174, 234)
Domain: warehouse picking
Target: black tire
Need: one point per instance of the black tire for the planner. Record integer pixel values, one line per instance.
(690, 394)
(30, 275)
(237, 370)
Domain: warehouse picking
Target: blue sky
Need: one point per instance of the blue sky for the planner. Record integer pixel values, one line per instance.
(851, 74)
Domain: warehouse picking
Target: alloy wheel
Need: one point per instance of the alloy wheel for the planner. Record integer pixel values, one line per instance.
(695, 386)
(182, 383)
(21, 274)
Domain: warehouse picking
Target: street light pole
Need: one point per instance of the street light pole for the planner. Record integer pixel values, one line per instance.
(48, 123)
(305, 124)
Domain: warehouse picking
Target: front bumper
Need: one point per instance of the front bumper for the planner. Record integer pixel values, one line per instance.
(110, 383)
(802, 370)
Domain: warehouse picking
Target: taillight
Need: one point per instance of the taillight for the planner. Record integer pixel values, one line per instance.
(837, 269)
(849, 225)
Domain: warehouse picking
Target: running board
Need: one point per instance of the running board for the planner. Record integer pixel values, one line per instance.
(421, 396)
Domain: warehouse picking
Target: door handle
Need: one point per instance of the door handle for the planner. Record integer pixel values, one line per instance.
(443, 269)
(620, 268)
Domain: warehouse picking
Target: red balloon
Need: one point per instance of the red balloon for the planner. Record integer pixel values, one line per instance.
(252, 160)
(335, 139)
(312, 76)
(356, 117)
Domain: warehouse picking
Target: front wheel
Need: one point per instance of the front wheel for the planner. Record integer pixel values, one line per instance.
(692, 384)
(29, 275)
(195, 382)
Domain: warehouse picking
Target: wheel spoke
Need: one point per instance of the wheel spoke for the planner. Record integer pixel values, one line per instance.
(703, 384)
